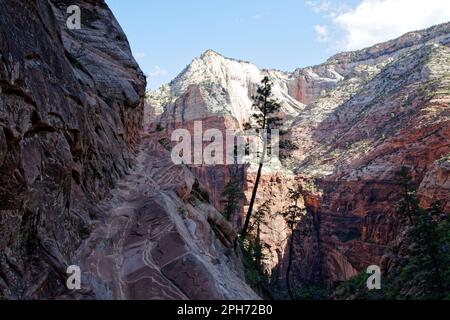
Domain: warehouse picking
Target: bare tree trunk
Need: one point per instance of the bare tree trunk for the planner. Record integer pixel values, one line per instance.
(252, 202)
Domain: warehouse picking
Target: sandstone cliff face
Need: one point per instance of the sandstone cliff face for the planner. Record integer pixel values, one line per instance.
(81, 184)
(154, 239)
(306, 85)
(356, 120)
(397, 117)
(70, 112)
(215, 85)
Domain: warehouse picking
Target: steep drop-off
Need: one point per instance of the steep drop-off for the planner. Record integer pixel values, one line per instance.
(80, 185)
(354, 121)
(154, 239)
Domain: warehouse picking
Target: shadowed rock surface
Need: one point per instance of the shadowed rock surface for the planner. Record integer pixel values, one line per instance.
(70, 114)
(71, 106)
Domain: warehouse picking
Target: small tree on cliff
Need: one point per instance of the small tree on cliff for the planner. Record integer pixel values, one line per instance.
(232, 195)
(265, 117)
(253, 250)
(427, 265)
(293, 216)
(259, 220)
(420, 267)
(427, 258)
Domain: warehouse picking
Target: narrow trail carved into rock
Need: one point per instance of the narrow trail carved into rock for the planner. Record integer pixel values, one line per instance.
(102, 255)
(141, 247)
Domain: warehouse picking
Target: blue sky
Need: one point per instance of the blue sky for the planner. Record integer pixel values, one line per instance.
(165, 35)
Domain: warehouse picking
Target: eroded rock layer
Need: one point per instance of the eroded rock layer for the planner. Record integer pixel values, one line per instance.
(154, 240)
(80, 183)
(71, 105)
(358, 138)
(353, 122)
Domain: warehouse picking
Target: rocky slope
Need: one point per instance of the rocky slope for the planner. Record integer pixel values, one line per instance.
(79, 185)
(221, 86)
(355, 120)
(153, 239)
(354, 140)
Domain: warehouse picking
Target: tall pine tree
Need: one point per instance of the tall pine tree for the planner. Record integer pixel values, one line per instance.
(427, 262)
(407, 205)
(265, 118)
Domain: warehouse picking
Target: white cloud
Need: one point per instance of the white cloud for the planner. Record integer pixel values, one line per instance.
(322, 33)
(158, 72)
(257, 17)
(374, 21)
(139, 55)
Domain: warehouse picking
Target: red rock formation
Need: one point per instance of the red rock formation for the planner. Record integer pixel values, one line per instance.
(367, 114)
(71, 106)
(70, 115)
(306, 85)
(399, 118)
(154, 239)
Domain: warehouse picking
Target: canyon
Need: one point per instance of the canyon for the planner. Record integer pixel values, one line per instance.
(351, 124)
(87, 177)
(81, 183)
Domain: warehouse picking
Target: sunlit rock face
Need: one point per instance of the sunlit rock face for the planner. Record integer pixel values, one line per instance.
(81, 184)
(215, 85)
(306, 85)
(356, 120)
(155, 240)
(390, 110)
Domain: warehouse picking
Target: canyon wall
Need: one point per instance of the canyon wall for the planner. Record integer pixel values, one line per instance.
(354, 122)
(158, 238)
(354, 140)
(71, 104)
(81, 184)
